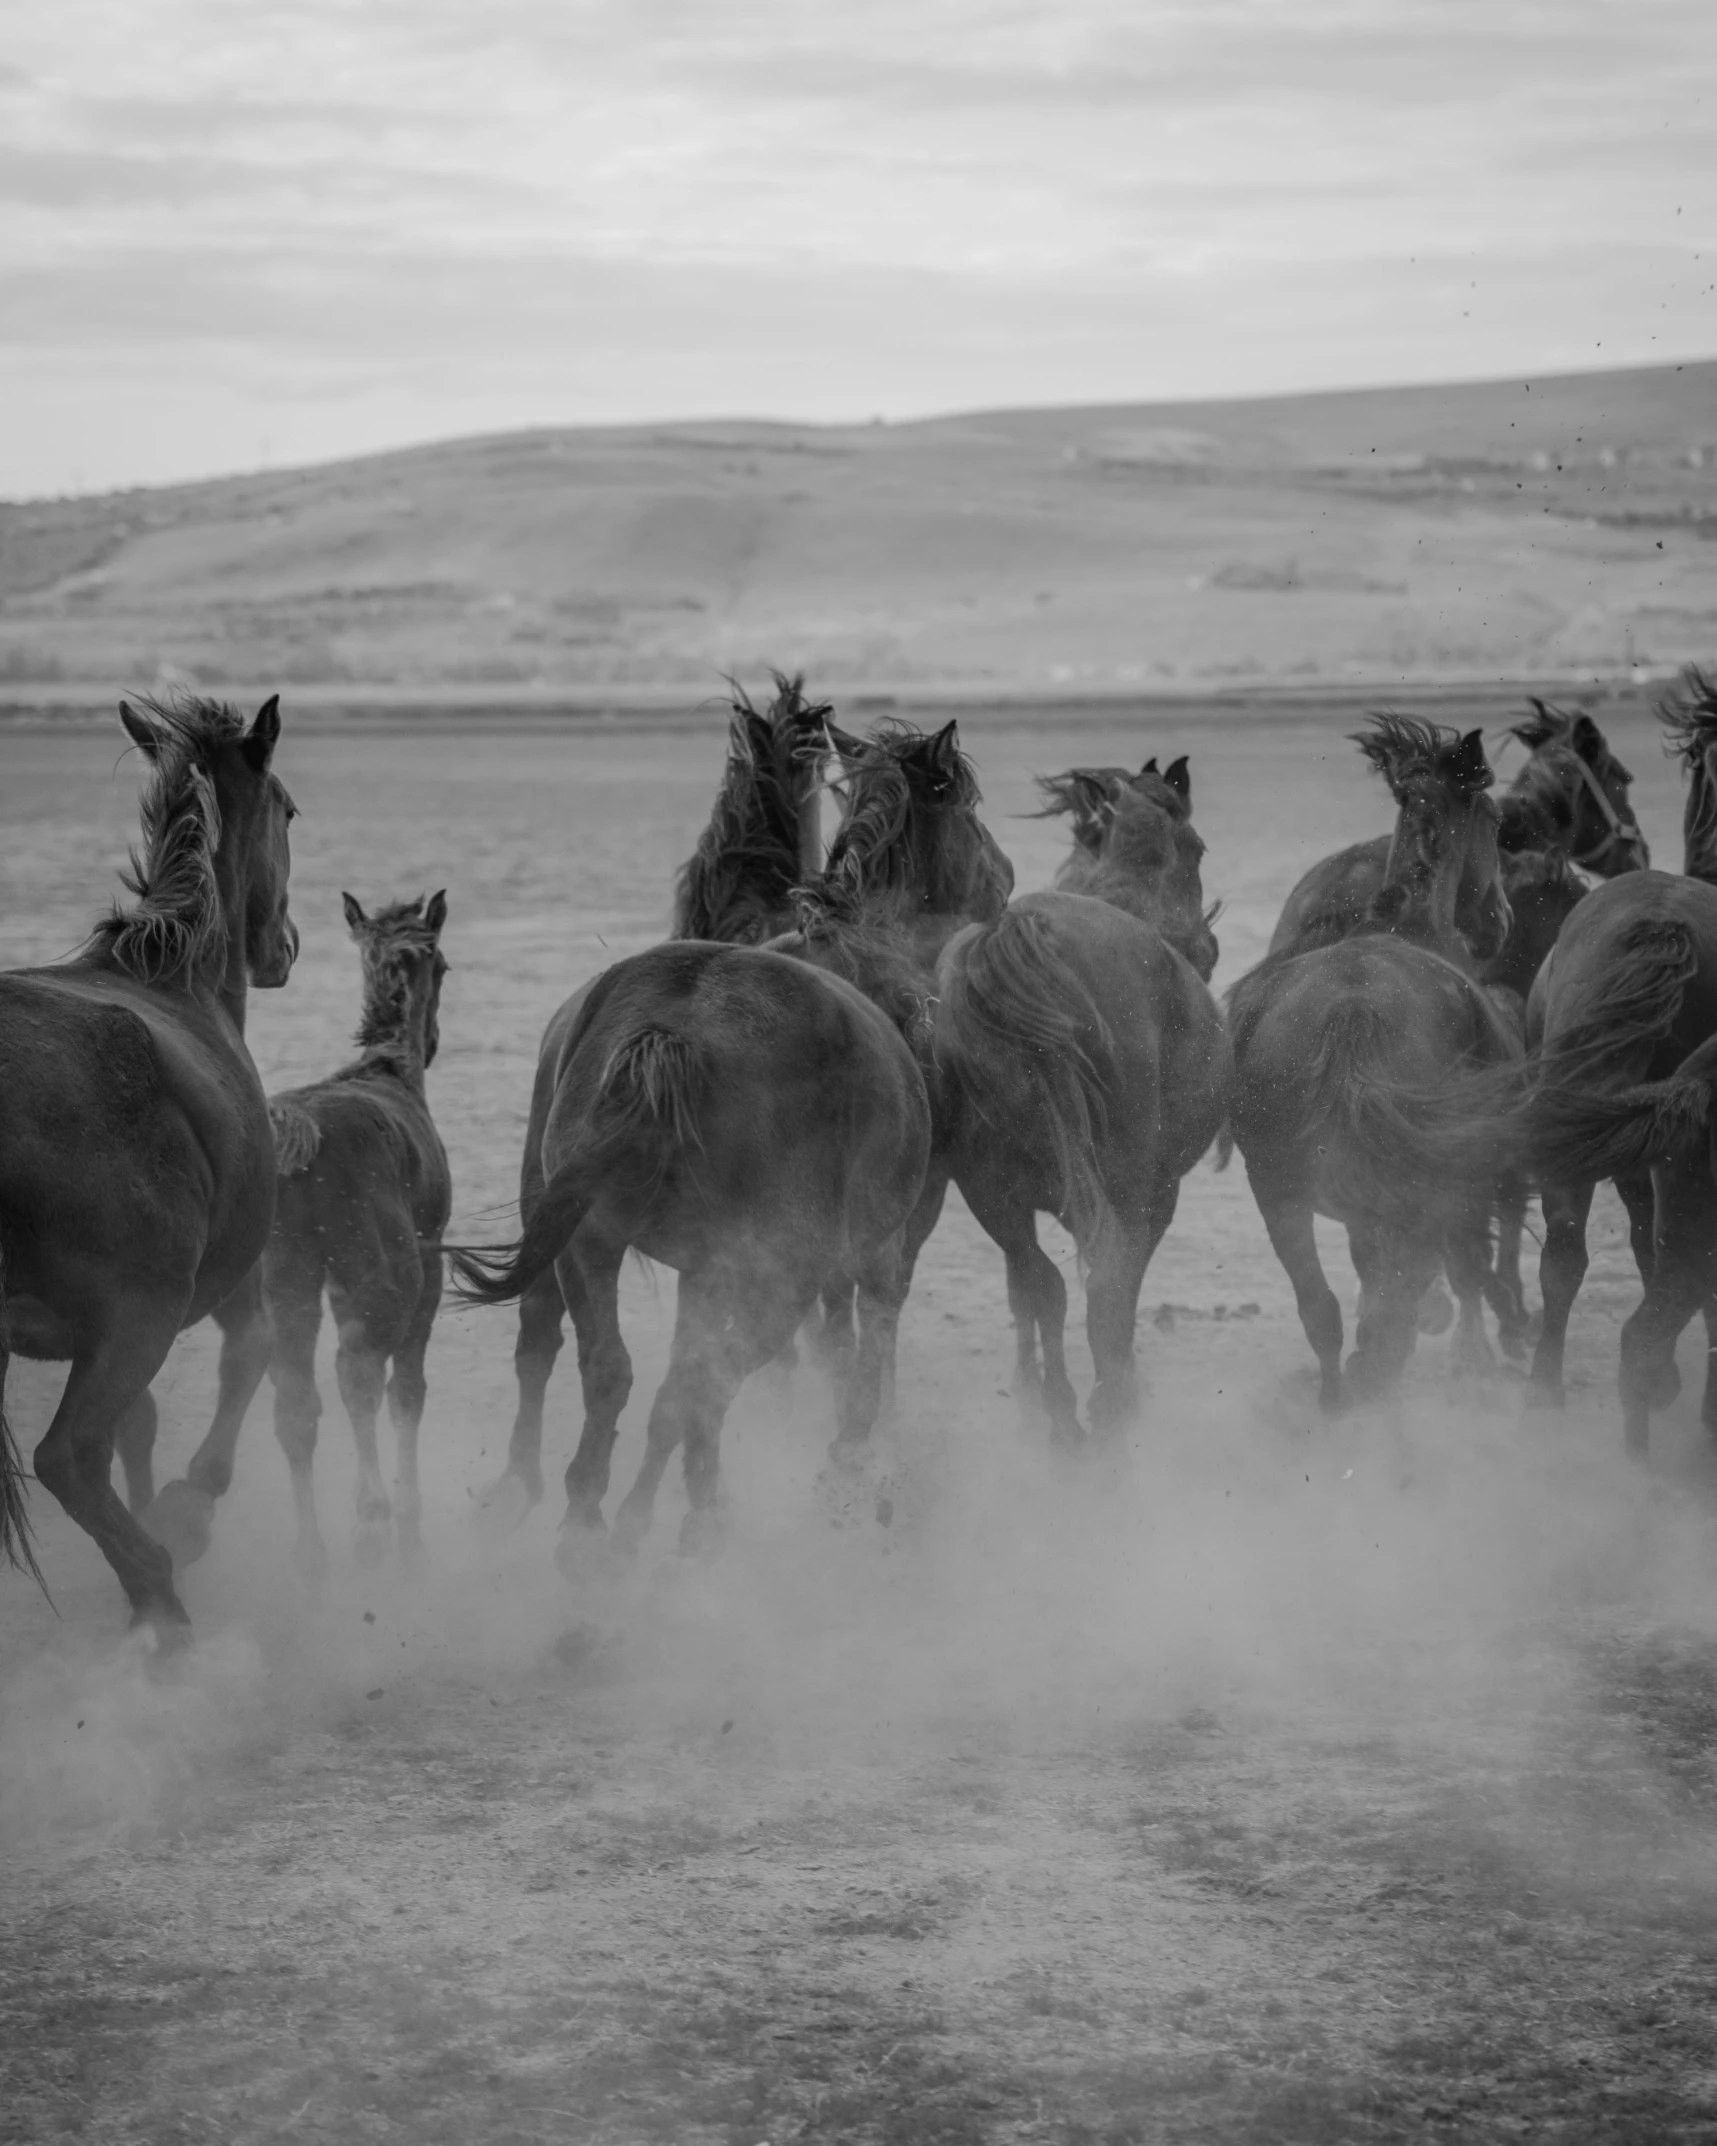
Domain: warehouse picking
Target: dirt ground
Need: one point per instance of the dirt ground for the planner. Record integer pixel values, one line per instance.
(1275, 1781)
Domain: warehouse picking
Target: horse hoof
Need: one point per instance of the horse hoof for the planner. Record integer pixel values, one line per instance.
(503, 1506)
(1436, 1310)
(1545, 1394)
(584, 1545)
(167, 1625)
(1513, 1345)
(371, 1541)
(181, 1518)
(701, 1535)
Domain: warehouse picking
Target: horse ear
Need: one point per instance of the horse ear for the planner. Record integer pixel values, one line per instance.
(945, 745)
(435, 910)
(1587, 740)
(1150, 766)
(1179, 779)
(355, 917)
(138, 729)
(1471, 766)
(263, 735)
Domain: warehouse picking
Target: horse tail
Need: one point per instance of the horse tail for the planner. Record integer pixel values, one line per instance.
(297, 1136)
(1012, 1001)
(17, 1547)
(1579, 1136)
(1403, 1140)
(1225, 1143)
(647, 1098)
(1656, 958)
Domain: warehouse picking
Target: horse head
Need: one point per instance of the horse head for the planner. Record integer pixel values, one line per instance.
(910, 840)
(1443, 877)
(404, 968)
(218, 856)
(1151, 857)
(1576, 790)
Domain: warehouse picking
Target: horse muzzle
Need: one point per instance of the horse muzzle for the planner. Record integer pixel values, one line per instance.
(273, 971)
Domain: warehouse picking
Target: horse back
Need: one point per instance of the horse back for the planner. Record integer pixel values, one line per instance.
(1334, 895)
(736, 1087)
(371, 1144)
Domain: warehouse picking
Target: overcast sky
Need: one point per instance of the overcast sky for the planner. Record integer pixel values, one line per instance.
(236, 232)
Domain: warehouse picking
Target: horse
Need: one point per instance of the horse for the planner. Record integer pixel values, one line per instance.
(762, 838)
(364, 1198)
(910, 864)
(1082, 1068)
(137, 1176)
(1571, 796)
(1629, 994)
(751, 1121)
(1356, 1063)
(1083, 794)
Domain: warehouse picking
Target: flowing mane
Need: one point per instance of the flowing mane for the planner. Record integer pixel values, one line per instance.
(896, 766)
(1402, 747)
(735, 884)
(177, 924)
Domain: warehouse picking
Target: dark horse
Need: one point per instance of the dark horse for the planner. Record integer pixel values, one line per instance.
(1355, 1064)
(364, 1197)
(1628, 994)
(1571, 796)
(754, 1123)
(1082, 1068)
(136, 1161)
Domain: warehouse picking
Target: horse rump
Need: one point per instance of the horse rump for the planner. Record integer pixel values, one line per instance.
(643, 1119)
(1012, 1012)
(1387, 1146)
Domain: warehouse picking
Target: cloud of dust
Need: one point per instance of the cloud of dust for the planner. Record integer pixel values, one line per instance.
(1429, 1573)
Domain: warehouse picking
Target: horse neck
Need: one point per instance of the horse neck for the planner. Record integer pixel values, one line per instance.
(393, 1035)
(1427, 894)
(228, 973)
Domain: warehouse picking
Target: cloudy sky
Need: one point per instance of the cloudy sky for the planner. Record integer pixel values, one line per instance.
(236, 232)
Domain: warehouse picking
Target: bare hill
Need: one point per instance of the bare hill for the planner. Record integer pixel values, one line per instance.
(1557, 526)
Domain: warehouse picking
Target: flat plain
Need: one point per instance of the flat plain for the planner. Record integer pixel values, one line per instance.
(1273, 1780)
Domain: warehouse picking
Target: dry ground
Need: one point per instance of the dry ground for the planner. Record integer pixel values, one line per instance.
(1278, 1782)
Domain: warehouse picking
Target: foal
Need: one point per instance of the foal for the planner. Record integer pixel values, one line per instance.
(363, 1199)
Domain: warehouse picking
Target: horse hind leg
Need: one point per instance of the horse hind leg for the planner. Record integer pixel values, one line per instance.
(1561, 1269)
(1683, 1279)
(134, 1439)
(1289, 1218)
(1394, 1272)
(589, 1286)
(407, 1391)
(1115, 1276)
(519, 1487)
(75, 1458)
(295, 1303)
(1466, 1259)
(368, 1335)
(182, 1514)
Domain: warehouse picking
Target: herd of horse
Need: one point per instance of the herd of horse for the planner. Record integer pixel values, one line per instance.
(775, 1100)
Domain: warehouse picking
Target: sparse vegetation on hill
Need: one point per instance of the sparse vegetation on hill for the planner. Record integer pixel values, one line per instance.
(1565, 525)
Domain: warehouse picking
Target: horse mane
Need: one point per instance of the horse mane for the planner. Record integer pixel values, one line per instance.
(177, 924)
(1401, 747)
(747, 859)
(867, 856)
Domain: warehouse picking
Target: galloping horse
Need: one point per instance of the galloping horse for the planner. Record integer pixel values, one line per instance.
(137, 1176)
(748, 1120)
(1081, 1069)
(364, 1197)
(1571, 796)
(1354, 1064)
(1628, 994)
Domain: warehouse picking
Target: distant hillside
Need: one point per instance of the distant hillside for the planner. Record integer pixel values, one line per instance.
(1563, 526)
